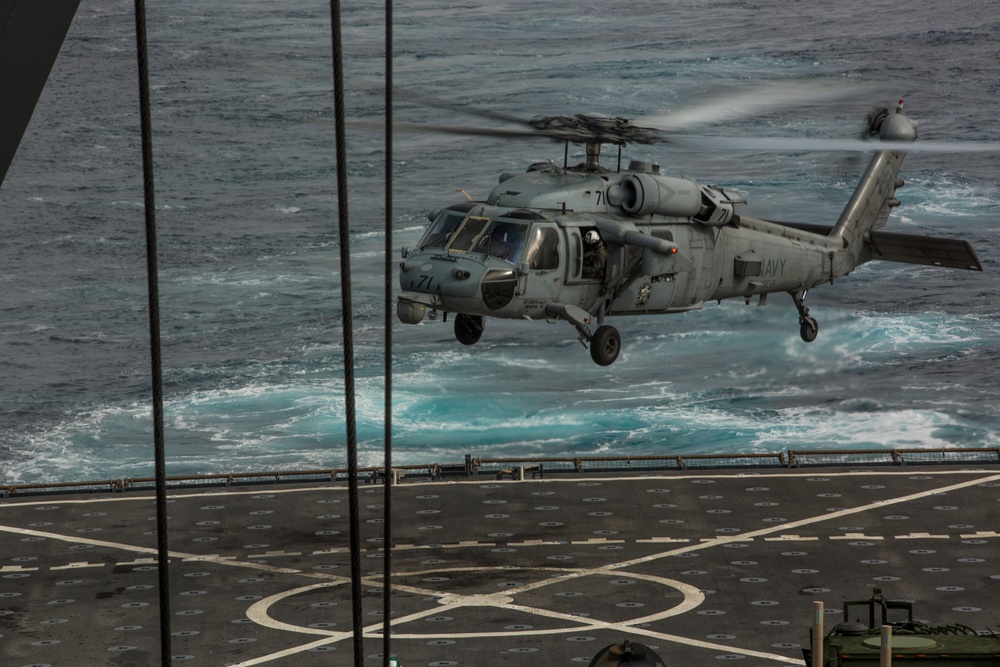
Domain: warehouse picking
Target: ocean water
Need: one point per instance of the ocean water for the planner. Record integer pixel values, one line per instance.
(246, 208)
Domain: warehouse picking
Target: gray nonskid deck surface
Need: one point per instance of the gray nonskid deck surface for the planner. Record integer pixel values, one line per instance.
(704, 566)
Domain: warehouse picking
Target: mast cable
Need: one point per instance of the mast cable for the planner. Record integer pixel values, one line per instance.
(156, 363)
(387, 502)
(348, 325)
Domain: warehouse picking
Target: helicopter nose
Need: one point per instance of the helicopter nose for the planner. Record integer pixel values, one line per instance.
(445, 277)
(460, 284)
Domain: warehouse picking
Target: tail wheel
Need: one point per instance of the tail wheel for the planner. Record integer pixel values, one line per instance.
(808, 329)
(469, 328)
(605, 345)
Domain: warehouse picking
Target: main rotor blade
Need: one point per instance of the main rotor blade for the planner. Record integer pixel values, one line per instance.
(577, 129)
(460, 130)
(696, 142)
(438, 103)
(760, 98)
(790, 144)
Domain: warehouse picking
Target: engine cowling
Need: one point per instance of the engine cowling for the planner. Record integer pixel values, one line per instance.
(645, 194)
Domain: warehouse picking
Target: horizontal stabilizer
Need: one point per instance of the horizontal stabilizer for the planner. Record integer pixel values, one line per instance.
(928, 250)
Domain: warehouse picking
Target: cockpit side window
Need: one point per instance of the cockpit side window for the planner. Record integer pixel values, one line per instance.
(441, 230)
(543, 250)
(503, 239)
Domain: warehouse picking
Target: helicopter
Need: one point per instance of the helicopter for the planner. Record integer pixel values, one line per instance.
(584, 243)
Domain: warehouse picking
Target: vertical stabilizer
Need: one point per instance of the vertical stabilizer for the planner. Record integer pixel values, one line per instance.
(31, 34)
(875, 196)
(872, 200)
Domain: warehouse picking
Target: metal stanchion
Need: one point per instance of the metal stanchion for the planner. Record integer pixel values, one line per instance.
(817, 635)
(885, 657)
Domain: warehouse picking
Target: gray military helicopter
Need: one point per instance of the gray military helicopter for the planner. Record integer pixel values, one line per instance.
(584, 243)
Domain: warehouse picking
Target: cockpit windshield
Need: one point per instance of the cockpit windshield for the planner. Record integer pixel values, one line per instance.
(458, 232)
(503, 239)
(441, 229)
(468, 233)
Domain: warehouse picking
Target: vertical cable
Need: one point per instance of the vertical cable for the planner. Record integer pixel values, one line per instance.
(348, 326)
(387, 502)
(162, 552)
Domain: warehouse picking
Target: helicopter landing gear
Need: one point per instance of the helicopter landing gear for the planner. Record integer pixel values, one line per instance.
(808, 326)
(809, 329)
(605, 345)
(469, 328)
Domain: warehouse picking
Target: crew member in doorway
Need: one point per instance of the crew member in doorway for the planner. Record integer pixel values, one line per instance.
(595, 256)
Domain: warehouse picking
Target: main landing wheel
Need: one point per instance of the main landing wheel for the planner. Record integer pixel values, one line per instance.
(808, 329)
(605, 345)
(469, 328)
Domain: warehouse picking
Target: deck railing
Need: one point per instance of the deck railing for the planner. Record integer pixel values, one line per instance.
(537, 467)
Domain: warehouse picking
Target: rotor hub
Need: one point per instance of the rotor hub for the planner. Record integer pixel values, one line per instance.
(595, 128)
